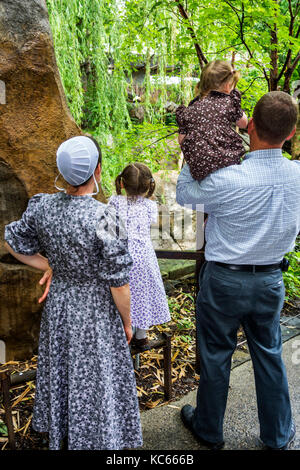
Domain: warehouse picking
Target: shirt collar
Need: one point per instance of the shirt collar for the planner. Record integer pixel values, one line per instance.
(268, 153)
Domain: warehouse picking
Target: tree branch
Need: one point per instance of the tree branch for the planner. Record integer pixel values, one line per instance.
(295, 62)
(256, 78)
(287, 60)
(274, 55)
(292, 16)
(242, 35)
(289, 72)
(288, 69)
(225, 49)
(201, 57)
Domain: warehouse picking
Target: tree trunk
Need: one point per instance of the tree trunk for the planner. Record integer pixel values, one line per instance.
(296, 143)
(274, 60)
(201, 57)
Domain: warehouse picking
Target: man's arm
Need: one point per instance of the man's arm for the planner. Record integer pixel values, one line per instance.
(190, 192)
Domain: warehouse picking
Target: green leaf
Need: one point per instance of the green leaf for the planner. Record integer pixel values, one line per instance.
(3, 429)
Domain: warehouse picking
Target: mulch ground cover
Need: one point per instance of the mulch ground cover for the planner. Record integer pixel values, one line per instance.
(149, 375)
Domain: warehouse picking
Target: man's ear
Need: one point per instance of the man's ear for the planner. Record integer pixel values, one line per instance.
(291, 134)
(250, 126)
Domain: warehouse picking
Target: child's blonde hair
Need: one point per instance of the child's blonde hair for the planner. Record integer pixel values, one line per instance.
(137, 180)
(214, 75)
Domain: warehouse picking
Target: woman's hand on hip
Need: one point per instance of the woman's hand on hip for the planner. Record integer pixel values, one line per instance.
(128, 333)
(47, 278)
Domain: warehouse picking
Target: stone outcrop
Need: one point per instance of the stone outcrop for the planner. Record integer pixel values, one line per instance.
(34, 120)
(176, 227)
(20, 310)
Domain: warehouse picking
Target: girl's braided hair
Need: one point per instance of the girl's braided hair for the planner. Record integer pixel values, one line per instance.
(137, 180)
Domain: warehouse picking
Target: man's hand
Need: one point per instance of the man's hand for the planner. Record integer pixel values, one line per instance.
(181, 138)
(47, 277)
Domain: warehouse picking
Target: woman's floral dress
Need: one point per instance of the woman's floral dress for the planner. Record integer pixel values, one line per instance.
(85, 386)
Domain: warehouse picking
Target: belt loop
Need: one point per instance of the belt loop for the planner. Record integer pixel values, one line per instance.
(253, 269)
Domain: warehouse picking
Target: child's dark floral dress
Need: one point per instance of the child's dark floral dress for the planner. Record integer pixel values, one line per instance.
(211, 142)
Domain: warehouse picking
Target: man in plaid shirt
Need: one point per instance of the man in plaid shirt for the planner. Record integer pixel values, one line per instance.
(254, 218)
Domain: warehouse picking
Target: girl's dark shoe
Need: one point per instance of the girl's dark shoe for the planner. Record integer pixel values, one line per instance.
(140, 344)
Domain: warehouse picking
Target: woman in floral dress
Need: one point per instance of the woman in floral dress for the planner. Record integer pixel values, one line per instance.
(85, 386)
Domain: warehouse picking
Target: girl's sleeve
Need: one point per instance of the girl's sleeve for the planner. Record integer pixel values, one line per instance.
(235, 111)
(180, 119)
(153, 212)
(22, 235)
(115, 260)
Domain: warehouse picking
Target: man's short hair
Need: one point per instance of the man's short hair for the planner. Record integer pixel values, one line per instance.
(275, 116)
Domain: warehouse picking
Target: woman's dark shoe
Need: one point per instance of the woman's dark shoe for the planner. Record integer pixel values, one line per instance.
(140, 344)
(187, 413)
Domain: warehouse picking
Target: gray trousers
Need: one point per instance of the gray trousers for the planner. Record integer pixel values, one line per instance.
(226, 300)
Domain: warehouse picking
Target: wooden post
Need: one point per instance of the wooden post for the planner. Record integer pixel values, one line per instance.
(167, 367)
(137, 362)
(198, 256)
(5, 386)
(164, 341)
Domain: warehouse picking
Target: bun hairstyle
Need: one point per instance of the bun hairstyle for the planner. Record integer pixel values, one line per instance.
(137, 180)
(214, 75)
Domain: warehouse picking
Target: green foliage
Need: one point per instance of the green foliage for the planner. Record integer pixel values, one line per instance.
(139, 144)
(63, 21)
(3, 429)
(99, 44)
(292, 276)
(182, 309)
(89, 53)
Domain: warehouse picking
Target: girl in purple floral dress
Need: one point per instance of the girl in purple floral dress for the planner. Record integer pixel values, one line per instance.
(149, 304)
(206, 135)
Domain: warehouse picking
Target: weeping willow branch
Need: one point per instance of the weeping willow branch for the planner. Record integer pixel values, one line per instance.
(161, 138)
(87, 41)
(256, 78)
(241, 22)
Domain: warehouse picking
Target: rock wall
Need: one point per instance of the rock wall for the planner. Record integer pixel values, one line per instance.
(34, 120)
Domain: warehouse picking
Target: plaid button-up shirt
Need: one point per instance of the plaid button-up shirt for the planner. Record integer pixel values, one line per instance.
(254, 208)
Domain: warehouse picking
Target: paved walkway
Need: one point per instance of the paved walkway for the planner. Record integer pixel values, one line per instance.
(163, 429)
